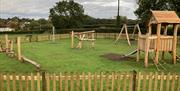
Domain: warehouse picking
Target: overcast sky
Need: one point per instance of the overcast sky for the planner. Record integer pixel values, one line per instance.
(40, 8)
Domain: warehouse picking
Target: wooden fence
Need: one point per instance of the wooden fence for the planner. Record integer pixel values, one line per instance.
(36, 38)
(114, 81)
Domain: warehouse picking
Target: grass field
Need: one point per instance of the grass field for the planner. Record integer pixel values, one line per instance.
(59, 57)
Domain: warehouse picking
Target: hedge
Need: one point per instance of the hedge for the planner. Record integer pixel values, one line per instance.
(24, 32)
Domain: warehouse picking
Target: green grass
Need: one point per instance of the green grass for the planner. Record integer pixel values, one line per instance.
(59, 57)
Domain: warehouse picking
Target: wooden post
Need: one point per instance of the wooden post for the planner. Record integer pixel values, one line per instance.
(165, 33)
(174, 43)
(158, 43)
(1, 49)
(43, 81)
(72, 39)
(72, 82)
(83, 82)
(19, 48)
(38, 82)
(147, 52)
(32, 82)
(147, 46)
(93, 40)
(80, 41)
(8, 86)
(37, 38)
(49, 36)
(127, 36)
(134, 85)
(139, 30)
(134, 30)
(165, 30)
(138, 48)
(53, 28)
(14, 82)
(1, 82)
(120, 33)
(89, 81)
(11, 46)
(6, 42)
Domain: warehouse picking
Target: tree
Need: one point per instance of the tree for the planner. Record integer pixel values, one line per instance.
(14, 23)
(143, 11)
(67, 14)
(34, 25)
(2, 23)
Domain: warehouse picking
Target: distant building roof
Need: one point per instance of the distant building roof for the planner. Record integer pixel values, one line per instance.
(164, 17)
(6, 29)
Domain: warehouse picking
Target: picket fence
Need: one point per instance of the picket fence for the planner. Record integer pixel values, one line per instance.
(107, 81)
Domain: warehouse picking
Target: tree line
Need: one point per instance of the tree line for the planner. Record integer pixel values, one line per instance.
(69, 14)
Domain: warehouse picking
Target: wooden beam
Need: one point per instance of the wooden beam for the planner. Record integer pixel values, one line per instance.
(19, 56)
(150, 29)
(138, 48)
(86, 32)
(139, 30)
(158, 43)
(165, 29)
(92, 36)
(120, 33)
(164, 33)
(127, 36)
(31, 62)
(72, 39)
(80, 41)
(11, 46)
(134, 30)
(6, 42)
(175, 43)
(1, 48)
(147, 51)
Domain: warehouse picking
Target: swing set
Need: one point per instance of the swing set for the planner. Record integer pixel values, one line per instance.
(125, 28)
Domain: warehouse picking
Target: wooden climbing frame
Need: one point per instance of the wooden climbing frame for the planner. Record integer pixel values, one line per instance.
(82, 36)
(159, 42)
(9, 51)
(8, 45)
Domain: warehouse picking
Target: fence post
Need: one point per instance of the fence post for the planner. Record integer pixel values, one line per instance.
(30, 38)
(49, 36)
(19, 49)
(6, 41)
(38, 82)
(1, 82)
(72, 39)
(43, 81)
(37, 38)
(134, 80)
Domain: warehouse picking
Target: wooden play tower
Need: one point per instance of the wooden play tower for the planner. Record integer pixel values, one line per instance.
(159, 42)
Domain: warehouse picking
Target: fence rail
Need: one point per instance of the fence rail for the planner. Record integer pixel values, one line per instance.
(109, 81)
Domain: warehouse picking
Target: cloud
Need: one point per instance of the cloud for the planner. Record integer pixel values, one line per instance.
(40, 8)
(25, 8)
(108, 8)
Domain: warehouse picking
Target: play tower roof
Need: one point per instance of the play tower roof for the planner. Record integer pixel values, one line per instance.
(164, 17)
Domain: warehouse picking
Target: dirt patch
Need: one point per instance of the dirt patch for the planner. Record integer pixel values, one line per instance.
(117, 57)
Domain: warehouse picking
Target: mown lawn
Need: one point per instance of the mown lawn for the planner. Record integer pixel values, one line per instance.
(59, 57)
